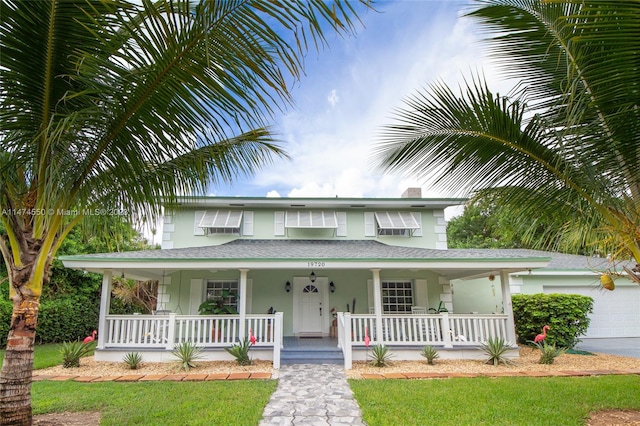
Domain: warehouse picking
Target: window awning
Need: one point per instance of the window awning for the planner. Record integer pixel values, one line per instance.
(311, 219)
(396, 220)
(221, 219)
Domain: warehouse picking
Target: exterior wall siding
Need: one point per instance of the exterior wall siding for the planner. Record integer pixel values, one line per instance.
(179, 228)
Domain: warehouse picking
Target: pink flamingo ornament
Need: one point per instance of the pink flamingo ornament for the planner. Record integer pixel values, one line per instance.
(91, 338)
(540, 337)
(252, 338)
(367, 340)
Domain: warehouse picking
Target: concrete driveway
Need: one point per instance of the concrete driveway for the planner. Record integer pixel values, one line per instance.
(625, 346)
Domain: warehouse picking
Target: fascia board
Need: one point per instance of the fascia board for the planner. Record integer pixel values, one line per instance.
(344, 203)
(193, 264)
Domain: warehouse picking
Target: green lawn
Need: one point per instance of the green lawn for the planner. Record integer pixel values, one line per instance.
(44, 356)
(494, 401)
(238, 402)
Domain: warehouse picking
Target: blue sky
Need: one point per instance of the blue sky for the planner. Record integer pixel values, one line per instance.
(350, 91)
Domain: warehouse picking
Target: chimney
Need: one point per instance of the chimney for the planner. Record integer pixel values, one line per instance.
(412, 193)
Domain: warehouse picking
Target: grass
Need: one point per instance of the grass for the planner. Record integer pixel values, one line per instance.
(238, 402)
(494, 401)
(44, 356)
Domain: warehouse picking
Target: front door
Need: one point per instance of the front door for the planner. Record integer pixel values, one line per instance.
(309, 306)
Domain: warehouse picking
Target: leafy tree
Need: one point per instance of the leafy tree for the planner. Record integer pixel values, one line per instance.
(485, 224)
(563, 145)
(481, 226)
(110, 107)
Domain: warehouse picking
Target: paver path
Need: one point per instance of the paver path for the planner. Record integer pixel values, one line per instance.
(310, 395)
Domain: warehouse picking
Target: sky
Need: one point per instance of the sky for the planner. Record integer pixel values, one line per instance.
(350, 91)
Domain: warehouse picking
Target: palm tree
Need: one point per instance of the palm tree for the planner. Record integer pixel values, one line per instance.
(110, 107)
(563, 145)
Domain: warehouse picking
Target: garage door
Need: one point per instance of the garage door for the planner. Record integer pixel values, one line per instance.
(615, 313)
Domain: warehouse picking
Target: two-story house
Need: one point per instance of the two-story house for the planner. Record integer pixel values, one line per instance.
(347, 269)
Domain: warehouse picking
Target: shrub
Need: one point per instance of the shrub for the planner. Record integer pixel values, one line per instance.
(566, 314)
(67, 318)
(548, 353)
(380, 356)
(430, 353)
(73, 351)
(496, 348)
(187, 353)
(6, 308)
(241, 352)
(133, 360)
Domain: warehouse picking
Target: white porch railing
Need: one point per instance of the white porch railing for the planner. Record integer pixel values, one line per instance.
(447, 330)
(215, 331)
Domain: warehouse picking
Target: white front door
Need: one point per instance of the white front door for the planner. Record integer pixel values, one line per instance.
(309, 299)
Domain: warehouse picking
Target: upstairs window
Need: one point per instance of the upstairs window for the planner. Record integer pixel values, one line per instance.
(396, 223)
(311, 219)
(221, 222)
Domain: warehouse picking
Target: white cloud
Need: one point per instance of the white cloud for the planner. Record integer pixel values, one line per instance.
(333, 98)
(363, 79)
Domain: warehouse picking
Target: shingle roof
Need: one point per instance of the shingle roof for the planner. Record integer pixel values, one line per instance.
(346, 250)
(316, 249)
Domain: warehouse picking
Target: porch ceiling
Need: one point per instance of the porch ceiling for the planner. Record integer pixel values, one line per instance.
(305, 254)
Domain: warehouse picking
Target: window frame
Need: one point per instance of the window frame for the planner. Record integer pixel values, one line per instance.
(395, 296)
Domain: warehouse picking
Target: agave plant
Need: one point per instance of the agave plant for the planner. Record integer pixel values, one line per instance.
(430, 353)
(133, 360)
(380, 356)
(496, 349)
(548, 353)
(187, 353)
(73, 351)
(241, 352)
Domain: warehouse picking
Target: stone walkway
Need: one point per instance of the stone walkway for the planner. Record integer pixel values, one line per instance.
(312, 395)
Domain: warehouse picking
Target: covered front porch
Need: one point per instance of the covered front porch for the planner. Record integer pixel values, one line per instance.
(399, 297)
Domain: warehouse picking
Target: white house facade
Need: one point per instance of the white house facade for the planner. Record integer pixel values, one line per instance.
(289, 268)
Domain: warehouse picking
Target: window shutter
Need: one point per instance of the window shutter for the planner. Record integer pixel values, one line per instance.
(198, 217)
(342, 224)
(278, 224)
(196, 295)
(369, 224)
(247, 225)
(418, 217)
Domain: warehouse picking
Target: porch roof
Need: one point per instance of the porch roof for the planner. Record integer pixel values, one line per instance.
(304, 254)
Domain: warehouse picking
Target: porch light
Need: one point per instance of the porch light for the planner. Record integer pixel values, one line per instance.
(287, 287)
(312, 277)
(332, 287)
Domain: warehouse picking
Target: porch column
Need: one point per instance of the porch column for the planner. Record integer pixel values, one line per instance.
(105, 305)
(377, 304)
(242, 308)
(508, 307)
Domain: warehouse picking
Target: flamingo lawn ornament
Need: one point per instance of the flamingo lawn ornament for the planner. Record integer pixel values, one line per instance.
(91, 338)
(540, 337)
(252, 338)
(367, 340)
(460, 337)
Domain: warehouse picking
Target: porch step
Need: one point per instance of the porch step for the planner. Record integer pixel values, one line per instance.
(311, 356)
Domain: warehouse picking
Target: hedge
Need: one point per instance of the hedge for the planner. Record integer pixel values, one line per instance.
(567, 315)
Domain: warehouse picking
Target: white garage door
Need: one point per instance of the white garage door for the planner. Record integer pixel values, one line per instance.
(615, 313)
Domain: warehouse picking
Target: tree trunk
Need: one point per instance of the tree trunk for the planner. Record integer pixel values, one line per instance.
(16, 374)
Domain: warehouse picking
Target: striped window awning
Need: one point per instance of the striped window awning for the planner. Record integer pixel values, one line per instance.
(396, 220)
(311, 219)
(221, 219)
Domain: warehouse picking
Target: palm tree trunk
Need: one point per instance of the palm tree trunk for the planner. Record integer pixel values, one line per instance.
(16, 374)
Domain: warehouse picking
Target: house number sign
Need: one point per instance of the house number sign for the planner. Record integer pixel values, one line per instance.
(316, 264)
